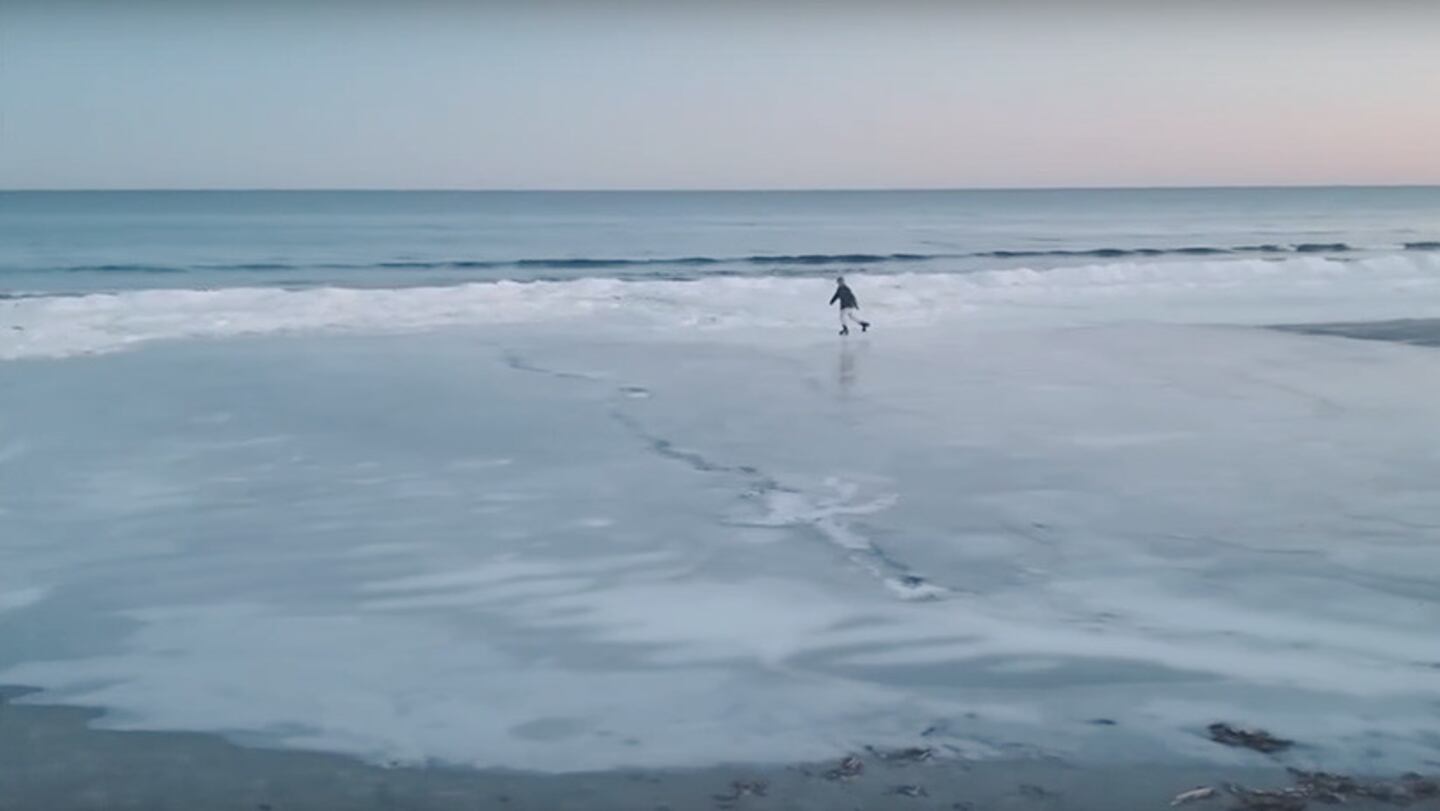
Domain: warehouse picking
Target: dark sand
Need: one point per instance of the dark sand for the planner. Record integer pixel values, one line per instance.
(51, 760)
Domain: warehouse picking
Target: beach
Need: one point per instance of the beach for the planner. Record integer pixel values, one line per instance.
(652, 542)
(54, 761)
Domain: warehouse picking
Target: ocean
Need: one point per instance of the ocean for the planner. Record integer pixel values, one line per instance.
(109, 241)
(586, 481)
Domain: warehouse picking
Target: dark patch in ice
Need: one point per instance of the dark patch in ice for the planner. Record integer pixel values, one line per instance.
(944, 728)
(1256, 739)
(1035, 792)
(849, 768)
(1415, 331)
(980, 672)
(741, 789)
(520, 364)
(548, 729)
(10, 692)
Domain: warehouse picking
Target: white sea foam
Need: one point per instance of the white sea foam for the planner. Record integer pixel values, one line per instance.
(1218, 290)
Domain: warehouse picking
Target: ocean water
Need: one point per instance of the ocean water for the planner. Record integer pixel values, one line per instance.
(81, 242)
(579, 481)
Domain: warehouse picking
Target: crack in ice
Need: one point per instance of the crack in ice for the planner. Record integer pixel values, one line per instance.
(822, 518)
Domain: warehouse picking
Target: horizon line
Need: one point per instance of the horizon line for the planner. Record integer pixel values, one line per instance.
(701, 190)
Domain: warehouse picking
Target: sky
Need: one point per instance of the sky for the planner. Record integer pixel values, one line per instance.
(550, 95)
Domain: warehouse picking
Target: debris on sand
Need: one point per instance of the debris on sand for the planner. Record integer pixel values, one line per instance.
(1257, 739)
(910, 754)
(849, 768)
(741, 789)
(1328, 788)
(1339, 788)
(1332, 789)
(1193, 795)
(910, 791)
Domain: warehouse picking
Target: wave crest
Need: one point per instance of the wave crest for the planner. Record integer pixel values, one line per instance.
(1226, 290)
(770, 262)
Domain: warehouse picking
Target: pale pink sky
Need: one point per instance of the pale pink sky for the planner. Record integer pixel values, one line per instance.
(808, 96)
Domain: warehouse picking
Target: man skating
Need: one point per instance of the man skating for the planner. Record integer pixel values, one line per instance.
(848, 306)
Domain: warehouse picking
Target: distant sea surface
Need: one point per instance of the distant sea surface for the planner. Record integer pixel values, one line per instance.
(79, 242)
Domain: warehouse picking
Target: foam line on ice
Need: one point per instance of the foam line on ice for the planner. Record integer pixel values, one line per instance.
(1308, 288)
(829, 519)
(833, 519)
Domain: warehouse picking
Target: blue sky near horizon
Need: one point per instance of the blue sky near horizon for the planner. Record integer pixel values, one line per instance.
(541, 96)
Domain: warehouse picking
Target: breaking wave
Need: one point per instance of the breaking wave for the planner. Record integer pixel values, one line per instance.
(1224, 290)
(771, 263)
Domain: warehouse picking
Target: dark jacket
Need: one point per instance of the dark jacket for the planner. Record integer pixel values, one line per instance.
(845, 297)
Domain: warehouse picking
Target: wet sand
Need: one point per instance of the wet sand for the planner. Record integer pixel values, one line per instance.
(52, 760)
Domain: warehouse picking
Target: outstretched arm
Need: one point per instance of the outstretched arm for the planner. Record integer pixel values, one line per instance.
(835, 297)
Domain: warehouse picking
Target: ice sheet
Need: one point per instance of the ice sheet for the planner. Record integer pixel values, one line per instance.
(541, 546)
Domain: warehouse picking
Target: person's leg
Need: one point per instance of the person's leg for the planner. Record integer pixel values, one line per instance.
(855, 317)
(844, 328)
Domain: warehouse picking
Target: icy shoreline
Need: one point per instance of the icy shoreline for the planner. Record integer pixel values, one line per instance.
(54, 760)
(511, 548)
(1229, 291)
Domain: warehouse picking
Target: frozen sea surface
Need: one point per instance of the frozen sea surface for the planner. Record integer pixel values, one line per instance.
(591, 524)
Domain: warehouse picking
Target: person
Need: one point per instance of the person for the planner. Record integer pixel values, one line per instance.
(848, 306)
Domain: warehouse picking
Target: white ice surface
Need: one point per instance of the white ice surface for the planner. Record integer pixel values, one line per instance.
(589, 537)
